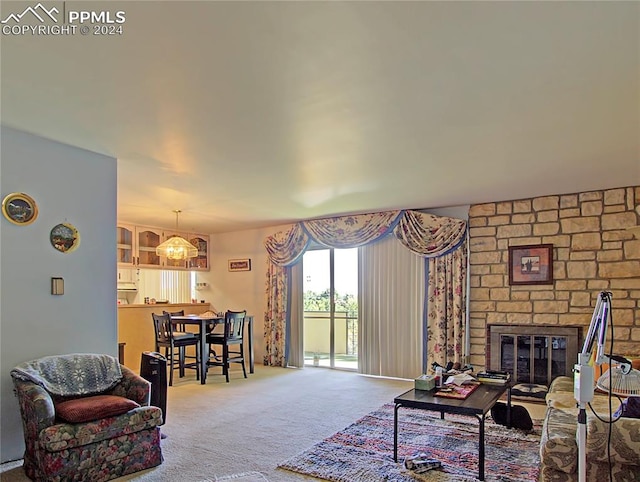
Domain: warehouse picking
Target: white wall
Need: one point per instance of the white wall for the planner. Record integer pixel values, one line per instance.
(458, 212)
(239, 290)
(69, 185)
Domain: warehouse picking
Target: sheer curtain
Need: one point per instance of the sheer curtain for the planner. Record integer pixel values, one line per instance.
(174, 286)
(391, 288)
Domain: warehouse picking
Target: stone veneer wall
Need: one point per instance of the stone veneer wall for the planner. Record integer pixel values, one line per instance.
(592, 252)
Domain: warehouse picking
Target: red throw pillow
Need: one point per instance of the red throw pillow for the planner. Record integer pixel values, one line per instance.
(93, 408)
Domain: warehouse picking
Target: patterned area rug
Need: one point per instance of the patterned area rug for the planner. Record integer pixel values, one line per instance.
(364, 450)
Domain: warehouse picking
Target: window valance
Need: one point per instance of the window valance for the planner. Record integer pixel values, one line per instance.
(440, 240)
(425, 234)
(429, 235)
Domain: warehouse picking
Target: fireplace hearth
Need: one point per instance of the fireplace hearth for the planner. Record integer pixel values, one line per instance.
(533, 354)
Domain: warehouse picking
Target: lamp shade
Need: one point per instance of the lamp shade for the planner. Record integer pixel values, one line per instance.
(619, 383)
(177, 248)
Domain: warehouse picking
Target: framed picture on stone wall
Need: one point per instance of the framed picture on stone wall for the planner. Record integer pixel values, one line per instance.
(531, 265)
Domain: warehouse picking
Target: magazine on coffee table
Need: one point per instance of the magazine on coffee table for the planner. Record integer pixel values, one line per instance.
(457, 391)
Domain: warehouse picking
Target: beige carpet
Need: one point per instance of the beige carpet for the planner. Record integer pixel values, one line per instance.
(249, 425)
(240, 431)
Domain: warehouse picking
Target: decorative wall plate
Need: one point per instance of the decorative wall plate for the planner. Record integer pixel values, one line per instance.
(19, 208)
(64, 237)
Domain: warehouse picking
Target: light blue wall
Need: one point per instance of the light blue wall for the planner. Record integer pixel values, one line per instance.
(69, 185)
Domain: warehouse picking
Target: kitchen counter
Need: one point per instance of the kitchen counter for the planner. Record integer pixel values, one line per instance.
(175, 306)
(135, 327)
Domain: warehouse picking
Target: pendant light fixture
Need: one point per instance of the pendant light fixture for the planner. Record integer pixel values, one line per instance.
(177, 247)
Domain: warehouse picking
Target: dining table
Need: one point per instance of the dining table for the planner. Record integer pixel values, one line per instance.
(203, 321)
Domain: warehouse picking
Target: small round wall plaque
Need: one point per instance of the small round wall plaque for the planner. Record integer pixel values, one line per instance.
(19, 208)
(64, 237)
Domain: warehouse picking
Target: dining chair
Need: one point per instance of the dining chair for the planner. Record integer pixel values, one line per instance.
(180, 329)
(233, 335)
(180, 326)
(174, 343)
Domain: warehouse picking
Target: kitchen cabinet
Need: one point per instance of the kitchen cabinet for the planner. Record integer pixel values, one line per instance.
(136, 247)
(127, 275)
(148, 240)
(125, 245)
(200, 262)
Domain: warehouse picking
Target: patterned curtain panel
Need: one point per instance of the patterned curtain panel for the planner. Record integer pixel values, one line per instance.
(425, 234)
(286, 247)
(446, 302)
(429, 235)
(351, 231)
(275, 319)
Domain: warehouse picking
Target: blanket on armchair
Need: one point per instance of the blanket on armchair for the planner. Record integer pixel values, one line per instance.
(73, 374)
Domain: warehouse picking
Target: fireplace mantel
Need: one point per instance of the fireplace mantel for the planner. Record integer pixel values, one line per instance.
(533, 353)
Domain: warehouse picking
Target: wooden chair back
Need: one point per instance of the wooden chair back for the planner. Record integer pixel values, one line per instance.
(234, 325)
(181, 326)
(162, 326)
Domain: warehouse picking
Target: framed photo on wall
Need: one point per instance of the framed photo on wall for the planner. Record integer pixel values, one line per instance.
(240, 264)
(531, 265)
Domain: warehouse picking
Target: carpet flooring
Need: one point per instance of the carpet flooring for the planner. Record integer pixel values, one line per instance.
(364, 450)
(243, 477)
(245, 428)
(249, 425)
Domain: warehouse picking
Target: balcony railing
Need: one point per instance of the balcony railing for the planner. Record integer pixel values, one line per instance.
(317, 337)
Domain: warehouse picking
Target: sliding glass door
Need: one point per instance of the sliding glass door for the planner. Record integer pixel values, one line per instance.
(330, 278)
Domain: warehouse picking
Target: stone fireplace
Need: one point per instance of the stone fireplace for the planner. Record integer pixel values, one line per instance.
(533, 354)
(593, 251)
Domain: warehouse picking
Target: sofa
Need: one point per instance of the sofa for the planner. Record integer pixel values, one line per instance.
(559, 445)
(85, 418)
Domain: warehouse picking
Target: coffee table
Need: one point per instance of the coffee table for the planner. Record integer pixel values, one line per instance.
(478, 404)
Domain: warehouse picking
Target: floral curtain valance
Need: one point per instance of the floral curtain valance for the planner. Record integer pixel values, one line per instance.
(285, 247)
(434, 237)
(428, 235)
(425, 234)
(351, 231)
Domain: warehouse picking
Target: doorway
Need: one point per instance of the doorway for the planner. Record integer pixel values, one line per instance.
(330, 278)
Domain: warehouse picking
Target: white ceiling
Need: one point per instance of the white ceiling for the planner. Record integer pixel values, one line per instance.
(247, 114)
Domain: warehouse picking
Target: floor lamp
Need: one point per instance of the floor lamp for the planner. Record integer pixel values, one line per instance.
(583, 372)
(620, 379)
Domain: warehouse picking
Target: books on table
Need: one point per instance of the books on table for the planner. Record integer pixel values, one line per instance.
(494, 376)
(457, 391)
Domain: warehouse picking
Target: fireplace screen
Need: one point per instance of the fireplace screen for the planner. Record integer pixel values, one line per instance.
(533, 357)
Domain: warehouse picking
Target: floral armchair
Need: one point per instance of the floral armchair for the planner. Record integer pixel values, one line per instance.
(559, 445)
(85, 418)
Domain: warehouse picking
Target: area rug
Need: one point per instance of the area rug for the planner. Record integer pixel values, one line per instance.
(364, 451)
